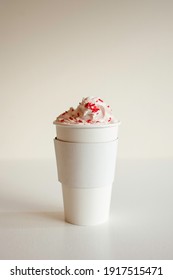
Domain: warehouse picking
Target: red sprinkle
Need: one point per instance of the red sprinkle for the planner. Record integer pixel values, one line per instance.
(88, 121)
(92, 107)
(80, 121)
(61, 120)
(71, 118)
(108, 106)
(100, 100)
(109, 119)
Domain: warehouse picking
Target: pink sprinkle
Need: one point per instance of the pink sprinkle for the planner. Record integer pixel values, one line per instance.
(108, 106)
(92, 107)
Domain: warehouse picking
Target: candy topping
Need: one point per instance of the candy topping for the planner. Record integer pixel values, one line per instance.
(92, 110)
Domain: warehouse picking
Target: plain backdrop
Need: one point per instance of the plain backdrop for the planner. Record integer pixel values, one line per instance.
(54, 52)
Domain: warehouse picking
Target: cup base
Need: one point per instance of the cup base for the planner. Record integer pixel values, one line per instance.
(86, 206)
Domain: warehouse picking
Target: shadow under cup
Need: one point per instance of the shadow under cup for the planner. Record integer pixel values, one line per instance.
(86, 158)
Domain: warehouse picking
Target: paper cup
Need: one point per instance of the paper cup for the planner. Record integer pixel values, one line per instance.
(86, 171)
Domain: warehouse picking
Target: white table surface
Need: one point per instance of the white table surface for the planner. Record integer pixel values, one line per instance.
(32, 223)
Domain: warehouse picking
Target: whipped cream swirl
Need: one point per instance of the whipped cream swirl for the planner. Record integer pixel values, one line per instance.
(92, 110)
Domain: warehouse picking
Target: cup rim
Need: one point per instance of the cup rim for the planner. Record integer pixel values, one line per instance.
(87, 126)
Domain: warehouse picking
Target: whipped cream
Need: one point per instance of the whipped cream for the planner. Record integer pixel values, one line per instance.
(92, 110)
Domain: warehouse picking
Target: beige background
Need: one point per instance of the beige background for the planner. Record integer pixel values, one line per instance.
(52, 53)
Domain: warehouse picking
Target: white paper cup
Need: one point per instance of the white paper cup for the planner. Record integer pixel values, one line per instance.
(86, 171)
